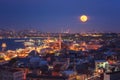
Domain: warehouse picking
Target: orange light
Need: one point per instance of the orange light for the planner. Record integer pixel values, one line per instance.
(4, 45)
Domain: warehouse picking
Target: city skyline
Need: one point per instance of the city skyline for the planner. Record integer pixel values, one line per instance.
(58, 15)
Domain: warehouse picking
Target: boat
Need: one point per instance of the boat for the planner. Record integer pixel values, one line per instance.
(29, 43)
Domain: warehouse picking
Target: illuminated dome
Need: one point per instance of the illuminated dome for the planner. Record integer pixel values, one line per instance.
(33, 53)
(35, 59)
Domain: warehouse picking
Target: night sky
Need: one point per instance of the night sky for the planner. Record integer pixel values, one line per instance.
(60, 15)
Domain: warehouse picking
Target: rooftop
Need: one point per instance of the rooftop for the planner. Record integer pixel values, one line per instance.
(46, 77)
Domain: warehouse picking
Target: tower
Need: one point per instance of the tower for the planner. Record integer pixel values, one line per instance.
(3, 46)
(60, 39)
(48, 39)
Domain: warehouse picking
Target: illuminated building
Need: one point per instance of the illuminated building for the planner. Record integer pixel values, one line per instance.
(112, 76)
(11, 74)
(100, 64)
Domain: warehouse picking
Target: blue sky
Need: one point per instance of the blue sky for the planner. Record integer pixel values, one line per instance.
(57, 15)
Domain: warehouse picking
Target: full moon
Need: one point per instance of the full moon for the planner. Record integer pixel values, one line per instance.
(83, 18)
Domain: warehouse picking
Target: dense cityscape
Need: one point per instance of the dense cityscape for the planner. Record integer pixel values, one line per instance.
(61, 56)
(59, 40)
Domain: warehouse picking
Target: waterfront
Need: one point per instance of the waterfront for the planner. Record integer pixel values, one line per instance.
(11, 44)
(16, 43)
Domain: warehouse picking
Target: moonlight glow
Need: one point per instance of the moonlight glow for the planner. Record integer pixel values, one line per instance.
(83, 18)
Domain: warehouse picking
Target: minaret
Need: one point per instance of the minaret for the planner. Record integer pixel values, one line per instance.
(60, 39)
(48, 39)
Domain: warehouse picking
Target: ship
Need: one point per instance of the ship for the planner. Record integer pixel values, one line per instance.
(29, 43)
